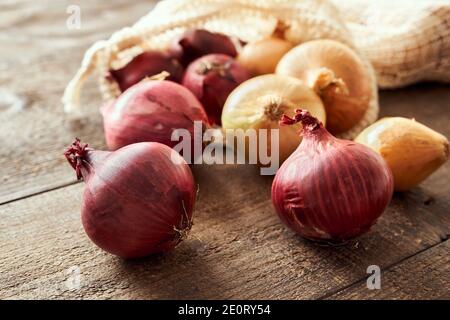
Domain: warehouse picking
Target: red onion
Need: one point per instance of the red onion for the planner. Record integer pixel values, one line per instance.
(138, 200)
(195, 43)
(150, 111)
(330, 189)
(147, 64)
(212, 78)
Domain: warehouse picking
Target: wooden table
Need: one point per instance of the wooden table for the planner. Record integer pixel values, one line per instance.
(237, 248)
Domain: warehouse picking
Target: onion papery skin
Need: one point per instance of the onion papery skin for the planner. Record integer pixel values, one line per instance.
(147, 64)
(150, 111)
(412, 150)
(195, 43)
(337, 74)
(261, 57)
(211, 79)
(136, 201)
(260, 102)
(329, 189)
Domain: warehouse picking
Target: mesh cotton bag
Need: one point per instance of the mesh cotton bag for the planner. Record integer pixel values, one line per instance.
(251, 20)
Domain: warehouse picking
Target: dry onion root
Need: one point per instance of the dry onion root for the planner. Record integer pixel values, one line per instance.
(412, 150)
(260, 102)
(337, 74)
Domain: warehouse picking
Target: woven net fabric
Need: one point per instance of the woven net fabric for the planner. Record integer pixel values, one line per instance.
(251, 20)
(406, 41)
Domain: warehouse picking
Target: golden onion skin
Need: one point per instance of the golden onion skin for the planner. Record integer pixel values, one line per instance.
(260, 102)
(261, 57)
(337, 74)
(412, 150)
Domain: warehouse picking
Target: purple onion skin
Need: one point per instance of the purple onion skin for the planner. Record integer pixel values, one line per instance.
(136, 201)
(330, 189)
(150, 111)
(195, 43)
(147, 64)
(213, 85)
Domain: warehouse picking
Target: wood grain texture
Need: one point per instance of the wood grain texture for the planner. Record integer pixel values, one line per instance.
(423, 276)
(237, 248)
(39, 56)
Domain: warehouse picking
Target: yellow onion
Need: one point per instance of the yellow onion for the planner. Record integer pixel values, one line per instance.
(261, 57)
(259, 103)
(412, 150)
(337, 74)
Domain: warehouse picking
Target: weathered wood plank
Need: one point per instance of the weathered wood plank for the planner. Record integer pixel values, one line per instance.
(237, 248)
(31, 29)
(423, 276)
(39, 56)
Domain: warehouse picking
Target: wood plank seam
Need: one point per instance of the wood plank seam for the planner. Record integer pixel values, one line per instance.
(209, 208)
(383, 270)
(39, 192)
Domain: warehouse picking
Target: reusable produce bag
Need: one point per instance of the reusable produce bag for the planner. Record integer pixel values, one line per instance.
(402, 48)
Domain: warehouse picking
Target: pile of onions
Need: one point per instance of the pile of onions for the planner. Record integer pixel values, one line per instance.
(137, 200)
(195, 43)
(337, 74)
(260, 102)
(151, 111)
(147, 64)
(330, 189)
(212, 78)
